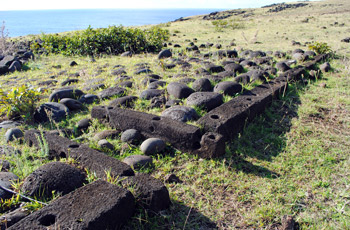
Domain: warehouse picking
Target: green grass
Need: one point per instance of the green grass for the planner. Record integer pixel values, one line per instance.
(291, 160)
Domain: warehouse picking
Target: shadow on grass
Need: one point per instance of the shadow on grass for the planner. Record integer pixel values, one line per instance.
(178, 216)
(265, 137)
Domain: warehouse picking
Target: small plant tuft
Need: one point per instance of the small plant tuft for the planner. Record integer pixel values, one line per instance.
(6, 47)
(320, 47)
(19, 101)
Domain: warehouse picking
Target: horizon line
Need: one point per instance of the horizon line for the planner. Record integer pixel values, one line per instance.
(156, 8)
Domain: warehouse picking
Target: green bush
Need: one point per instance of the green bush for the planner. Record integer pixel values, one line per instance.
(19, 101)
(221, 24)
(111, 40)
(320, 47)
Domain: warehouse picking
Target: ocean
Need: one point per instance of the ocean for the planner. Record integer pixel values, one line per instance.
(21, 23)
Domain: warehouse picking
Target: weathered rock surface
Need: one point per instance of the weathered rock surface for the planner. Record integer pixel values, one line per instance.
(202, 85)
(153, 194)
(12, 217)
(104, 144)
(151, 93)
(131, 136)
(179, 90)
(228, 88)
(111, 134)
(72, 104)
(13, 134)
(205, 100)
(54, 176)
(152, 146)
(111, 92)
(6, 180)
(98, 205)
(50, 110)
(164, 54)
(180, 135)
(93, 160)
(180, 113)
(65, 93)
(138, 161)
(126, 101)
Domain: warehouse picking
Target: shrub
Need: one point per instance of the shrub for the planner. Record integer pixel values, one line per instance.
(111, 40)
(320, 47)
(19, 101)
(6, 47)
(221, 24)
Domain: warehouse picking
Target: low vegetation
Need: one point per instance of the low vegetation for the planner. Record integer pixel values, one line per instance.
(111, 40)
(19, 101)
(320, 47)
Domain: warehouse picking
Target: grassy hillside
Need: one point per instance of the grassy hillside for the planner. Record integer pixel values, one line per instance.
(293, 160)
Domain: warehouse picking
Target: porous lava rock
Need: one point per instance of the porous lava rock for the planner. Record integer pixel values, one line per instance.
(55, 176)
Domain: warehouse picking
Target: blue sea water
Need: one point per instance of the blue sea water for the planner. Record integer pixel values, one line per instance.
(20, 23)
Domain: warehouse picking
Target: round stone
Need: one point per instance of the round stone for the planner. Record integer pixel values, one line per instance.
(205, 100)
(202, 85)
(234, 67)
(50, 110)
(126, 101)
(84, 124)
(243, 78)
(258, 75)
(214, 68)
(111, 92)
(282, 66)
(152, 146)
(105, 144)
(325, 67)
(151, 93)
(89, 99)
(106, 134)
(228, 88)
(13, 134)
(179, 90)
(54, 176)
(138, 161)
(180, 113)
(131, 136)
(156, 84)
(72, 104)
(164, 54)
(65, 93)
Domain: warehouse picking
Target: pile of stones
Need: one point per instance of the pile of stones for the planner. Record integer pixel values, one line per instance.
(283, 6)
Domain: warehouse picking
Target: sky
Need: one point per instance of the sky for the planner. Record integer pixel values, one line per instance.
(121, 4)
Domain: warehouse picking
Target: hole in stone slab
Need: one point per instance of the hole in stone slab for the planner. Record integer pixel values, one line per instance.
(151, 129)
(214, 116)
(249, 99)
(156, 119)
(211, 137)
(62, 155)
(47, 220)
(110, 107)
(73, 146)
